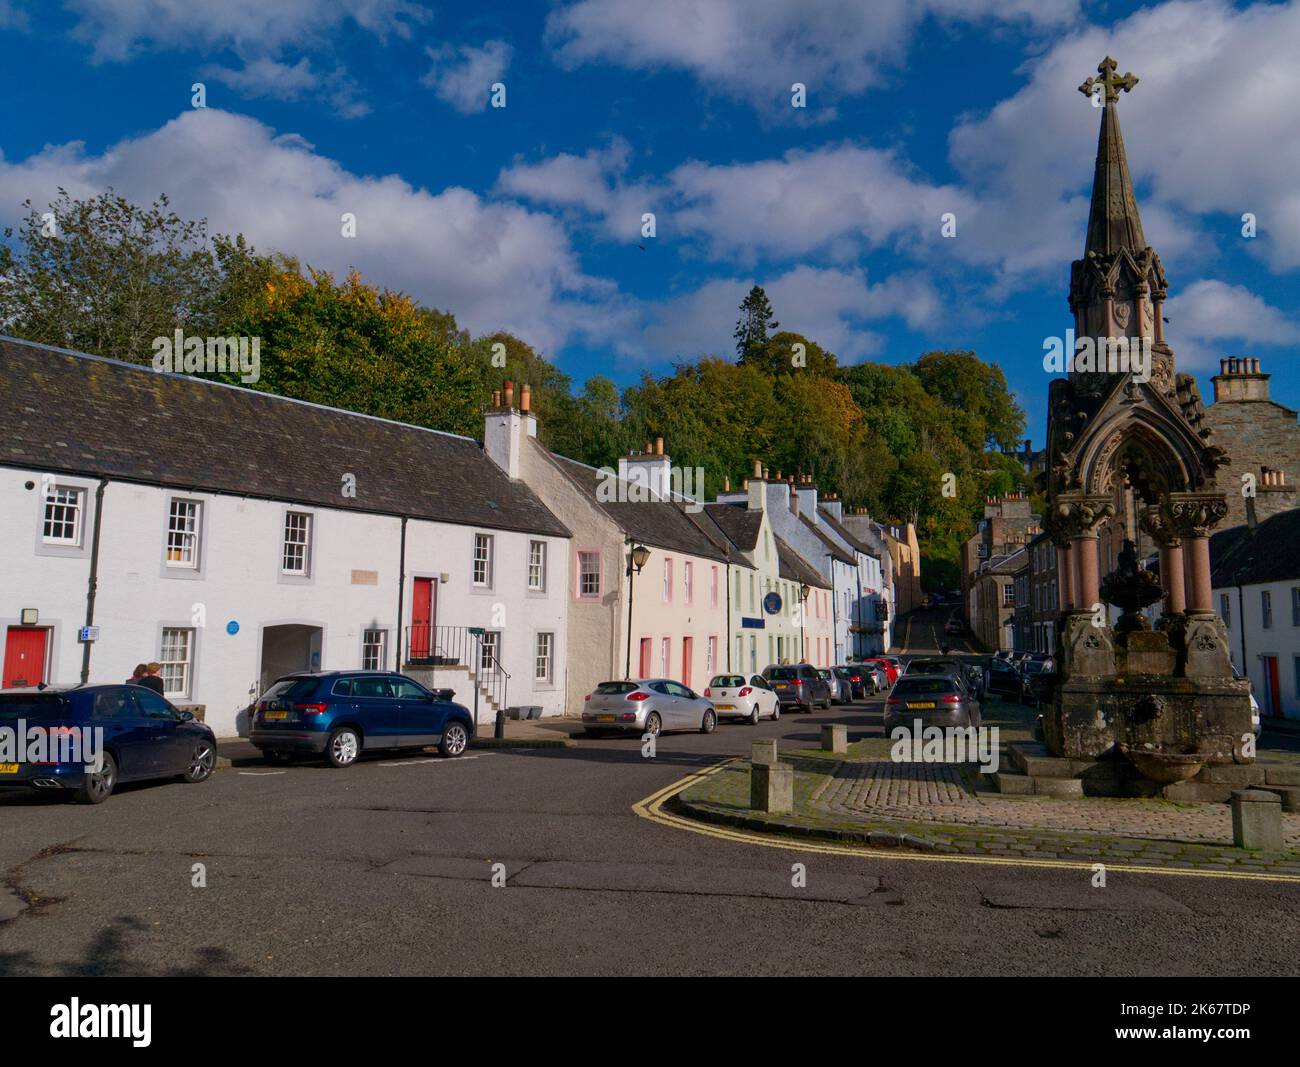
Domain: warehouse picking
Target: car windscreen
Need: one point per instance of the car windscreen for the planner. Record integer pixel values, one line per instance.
(609, 689)
(908, 687)
(785, 673)
(844, 672)
(34, 706)
(728, 681)
(291, 689)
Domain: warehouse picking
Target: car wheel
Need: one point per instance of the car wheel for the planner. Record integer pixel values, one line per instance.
(776, 712)
(203, 761)
(653, 724)
(97, 788)
(753, 716)
(710, 722)
(455, 739)
(343, 747)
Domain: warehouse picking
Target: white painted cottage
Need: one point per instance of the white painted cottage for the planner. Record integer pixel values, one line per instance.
(235, 536)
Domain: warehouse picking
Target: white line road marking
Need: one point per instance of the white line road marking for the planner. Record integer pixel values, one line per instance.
(421, 762)
(262, 774)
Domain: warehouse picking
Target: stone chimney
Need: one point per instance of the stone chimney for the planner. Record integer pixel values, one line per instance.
(806, 494)
(504, 429)
(757, 487)
(650, 468)
(1240, 379)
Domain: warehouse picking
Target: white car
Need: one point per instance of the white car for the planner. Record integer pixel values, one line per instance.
(734, 697)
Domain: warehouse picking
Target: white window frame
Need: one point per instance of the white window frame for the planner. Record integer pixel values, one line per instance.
(665, 656)
(544, 657)
(688, 575)
(482, 562)
(537, 566)
(188, 533)
(583, 574)
(371, 649)
(490, 641)
(66, 497)
(668, 581)
(304, 544)
(170, 663)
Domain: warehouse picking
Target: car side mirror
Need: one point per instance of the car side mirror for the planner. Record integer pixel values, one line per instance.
(185, 716)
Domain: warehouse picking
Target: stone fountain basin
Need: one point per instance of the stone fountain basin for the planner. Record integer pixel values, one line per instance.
(1166, 764)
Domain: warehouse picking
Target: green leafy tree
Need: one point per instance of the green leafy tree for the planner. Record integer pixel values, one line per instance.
(106, 276)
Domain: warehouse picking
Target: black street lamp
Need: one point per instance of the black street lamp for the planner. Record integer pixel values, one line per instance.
(636, 559)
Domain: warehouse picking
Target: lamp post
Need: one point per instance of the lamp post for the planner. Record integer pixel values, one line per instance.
(636, 559)
(803, 610)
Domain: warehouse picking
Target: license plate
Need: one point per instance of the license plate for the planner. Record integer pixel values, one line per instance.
(921, 705)
(275, 714)
(780, 685)
(726, 707)
(8, 768)
(604, 718)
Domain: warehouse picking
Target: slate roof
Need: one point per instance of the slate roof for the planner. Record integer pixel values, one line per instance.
(661, 523)
(1272, 555)
(740, 524)
(849, 537)
(794, 568)
(831, 547)
(66, 412)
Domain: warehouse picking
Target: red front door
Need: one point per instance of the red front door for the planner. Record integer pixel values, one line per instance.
(24, 656)
(422, 608)
(1274, 707)
(645, 657)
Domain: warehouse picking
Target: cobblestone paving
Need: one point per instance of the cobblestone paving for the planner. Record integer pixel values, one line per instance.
(723, 797)
(936, 793)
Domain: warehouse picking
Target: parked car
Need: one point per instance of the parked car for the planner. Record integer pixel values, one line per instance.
(1035, 674)
(1002, 679)
(859, 680)
(892, 667)
(1256, 722)
(144, 736)
(646, 706)
(841, 691)
(736, 697)
(935, 699)
(943, 665)
(954, 627)
(799, 685)
(341, 714)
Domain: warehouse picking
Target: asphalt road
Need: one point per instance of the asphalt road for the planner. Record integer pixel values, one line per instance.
(387, 868)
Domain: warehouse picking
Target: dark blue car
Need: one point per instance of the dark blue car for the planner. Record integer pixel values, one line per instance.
(340, 714)
(141, 734)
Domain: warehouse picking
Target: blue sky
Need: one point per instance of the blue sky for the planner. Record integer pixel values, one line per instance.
(527, 217)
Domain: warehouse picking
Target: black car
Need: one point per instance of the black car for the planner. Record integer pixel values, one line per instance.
(857, 679)
(1004, 680)
(933, 699)
(944, 665)
(799, 685)
(136, 734)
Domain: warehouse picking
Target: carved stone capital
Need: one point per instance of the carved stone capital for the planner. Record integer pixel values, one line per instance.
(1054, 527)
(1082, 516)
(1156, 524)
(1195, 514)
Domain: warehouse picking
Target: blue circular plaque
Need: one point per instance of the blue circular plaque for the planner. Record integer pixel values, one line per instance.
(232, 627)
(772, 603)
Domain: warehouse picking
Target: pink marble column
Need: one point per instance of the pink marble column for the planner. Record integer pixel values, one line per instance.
(1200, 595)
(1171, 576)
(1088, 585)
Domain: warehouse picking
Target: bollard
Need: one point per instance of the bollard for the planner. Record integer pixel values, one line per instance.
(835, 737)
(762, 752)
(1256, 819)
(771, 788)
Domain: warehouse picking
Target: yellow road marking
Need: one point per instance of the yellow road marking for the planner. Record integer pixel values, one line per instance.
(651, 808)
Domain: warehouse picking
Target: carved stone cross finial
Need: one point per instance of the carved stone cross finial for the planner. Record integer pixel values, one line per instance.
(1110, 81)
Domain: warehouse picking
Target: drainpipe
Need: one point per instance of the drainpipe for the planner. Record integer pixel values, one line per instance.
(730, 635)
(835, 615)
(401, 592)
(92, 583)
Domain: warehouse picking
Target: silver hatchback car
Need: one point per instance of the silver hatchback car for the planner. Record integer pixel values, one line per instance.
(646, 706)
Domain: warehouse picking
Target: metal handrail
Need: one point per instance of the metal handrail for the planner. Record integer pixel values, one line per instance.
(459, 646)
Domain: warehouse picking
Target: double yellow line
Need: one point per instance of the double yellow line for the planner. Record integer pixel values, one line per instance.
(652, 808)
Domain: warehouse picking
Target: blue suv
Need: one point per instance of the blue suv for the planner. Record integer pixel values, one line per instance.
(143, 736)
(340, 714)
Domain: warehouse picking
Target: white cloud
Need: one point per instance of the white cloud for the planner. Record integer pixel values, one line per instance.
(495, 265)
(463, 76)
(1209, 313)
(755, 49)
(11, 17)
(1211, 128)
(267, 77)
(117, 29)
(830, 306)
